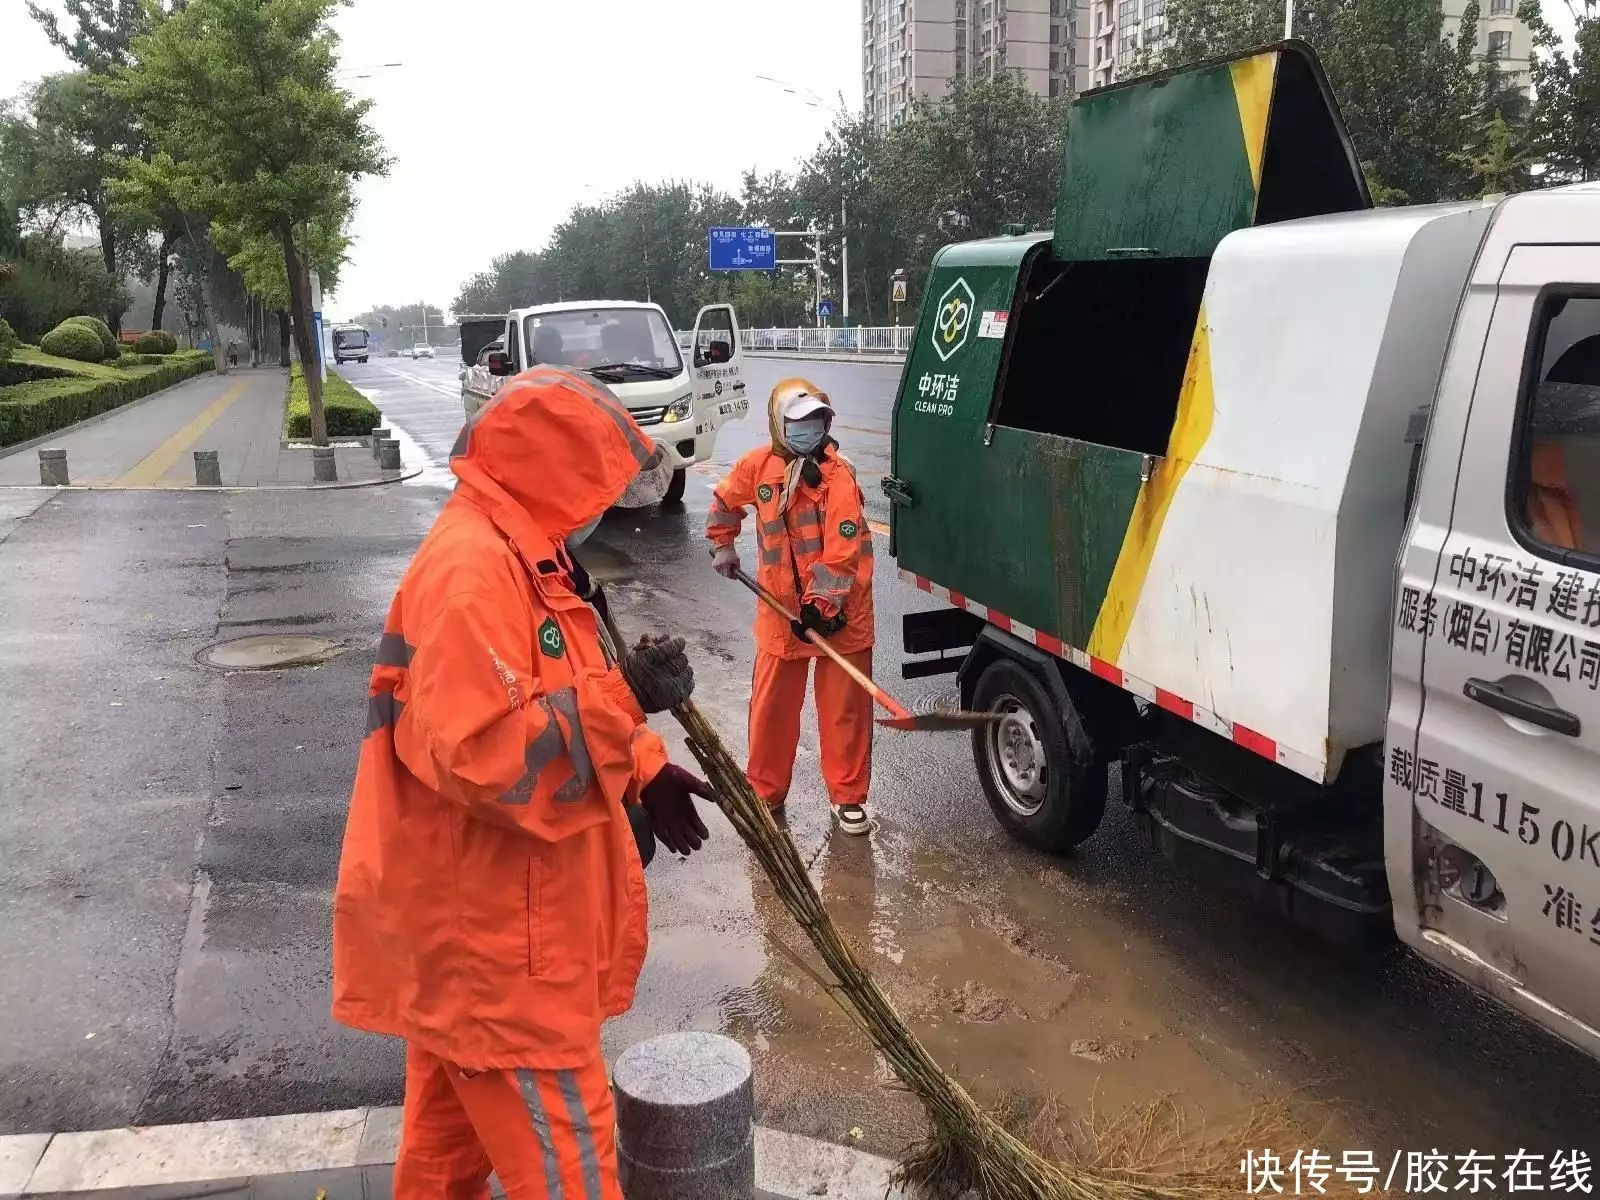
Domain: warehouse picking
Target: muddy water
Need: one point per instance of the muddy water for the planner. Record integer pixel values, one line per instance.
(1108, 979)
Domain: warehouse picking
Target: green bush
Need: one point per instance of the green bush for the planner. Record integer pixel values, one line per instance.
(16, 371)
(132, 359)
(8, 340)
(169, 341)
(109, 345)
(73, 340)
(30, 410)
(157, 341)
(350, 414)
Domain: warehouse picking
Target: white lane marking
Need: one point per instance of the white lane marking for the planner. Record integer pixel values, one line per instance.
(417, 379)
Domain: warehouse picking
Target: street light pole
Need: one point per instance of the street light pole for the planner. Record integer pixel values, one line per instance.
(1288, 19)
(844, 265)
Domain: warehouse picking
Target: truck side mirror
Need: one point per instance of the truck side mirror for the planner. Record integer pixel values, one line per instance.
(500, 363)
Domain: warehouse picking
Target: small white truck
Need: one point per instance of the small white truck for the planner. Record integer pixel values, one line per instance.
(680, 402)
(1288, 509)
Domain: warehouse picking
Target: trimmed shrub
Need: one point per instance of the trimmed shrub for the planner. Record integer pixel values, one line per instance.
(30, 410)
(157, 341)
(109, 345)
(169, 341)
(350, 414)
(17, 371)
(8, 340)
(73, 340)
(132, 359)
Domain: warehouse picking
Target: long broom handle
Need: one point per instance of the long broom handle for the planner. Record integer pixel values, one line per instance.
(821, 643)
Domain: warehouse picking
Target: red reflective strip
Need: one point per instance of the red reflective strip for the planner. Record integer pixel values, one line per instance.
(957, 599)
(1251, 740)
(925, 585)
(1000, 620)
(1106, 671)
(1175, 703)
(1049, 643)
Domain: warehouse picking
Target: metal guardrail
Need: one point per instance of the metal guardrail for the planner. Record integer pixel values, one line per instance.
(858, 339)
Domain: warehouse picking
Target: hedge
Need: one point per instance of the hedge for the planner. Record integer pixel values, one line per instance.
(70, 339)
(109, 346)
(17, 371)
(30, 410)
(157, 341)
(350, 414)
(8, 340)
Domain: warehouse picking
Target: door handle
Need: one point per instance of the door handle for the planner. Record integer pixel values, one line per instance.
(1492, 695)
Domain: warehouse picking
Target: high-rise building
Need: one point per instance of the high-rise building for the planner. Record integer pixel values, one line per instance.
(916, 47)
(1501, 36)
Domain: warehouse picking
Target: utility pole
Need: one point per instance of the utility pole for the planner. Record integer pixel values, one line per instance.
(1288, 19)
(844, 265)
(424, 321)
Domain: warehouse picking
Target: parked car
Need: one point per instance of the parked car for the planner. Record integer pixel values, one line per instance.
(422, 350)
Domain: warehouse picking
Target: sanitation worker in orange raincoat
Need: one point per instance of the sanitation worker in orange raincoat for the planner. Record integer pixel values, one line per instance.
(815, 554)
(491, 899)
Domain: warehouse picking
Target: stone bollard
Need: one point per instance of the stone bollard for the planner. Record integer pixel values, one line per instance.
(207, 470)
(389, 454)
(53, 468)
(686, 1119)
(323, 467)
(377, 441)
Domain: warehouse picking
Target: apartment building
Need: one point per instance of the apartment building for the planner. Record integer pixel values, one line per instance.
(915, 47)
(1501, 36)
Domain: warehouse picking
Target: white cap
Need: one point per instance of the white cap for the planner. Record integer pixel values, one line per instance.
(802, 407)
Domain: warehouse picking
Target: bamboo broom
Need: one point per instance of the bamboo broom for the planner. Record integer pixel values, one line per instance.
(966, 1147)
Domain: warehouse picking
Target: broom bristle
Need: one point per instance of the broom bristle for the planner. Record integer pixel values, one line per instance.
(966, 1149)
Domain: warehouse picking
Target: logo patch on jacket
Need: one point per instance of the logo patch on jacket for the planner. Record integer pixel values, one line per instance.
(847, 529)
(550, 639)
(765, 492)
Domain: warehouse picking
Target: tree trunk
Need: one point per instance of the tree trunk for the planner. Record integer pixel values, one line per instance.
(304, 334)
(108, 253)
(283, 338)
(161, 282)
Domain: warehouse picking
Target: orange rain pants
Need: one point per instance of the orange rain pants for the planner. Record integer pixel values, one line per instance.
(548, 1134)
(844, 721)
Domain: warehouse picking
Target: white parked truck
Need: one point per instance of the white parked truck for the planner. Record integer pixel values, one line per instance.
(1289, 509)
(679, 402)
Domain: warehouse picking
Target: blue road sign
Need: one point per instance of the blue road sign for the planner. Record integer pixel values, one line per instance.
(741, 248)
(825, 308)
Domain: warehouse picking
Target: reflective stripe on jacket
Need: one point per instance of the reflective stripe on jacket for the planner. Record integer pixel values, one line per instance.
(491, 905)
(821, 538)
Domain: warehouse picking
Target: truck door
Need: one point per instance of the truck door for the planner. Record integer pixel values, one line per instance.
(1501, 786)
(717, 366)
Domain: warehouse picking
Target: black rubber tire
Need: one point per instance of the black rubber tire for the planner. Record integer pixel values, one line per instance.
(675, 489)
(1075, 793)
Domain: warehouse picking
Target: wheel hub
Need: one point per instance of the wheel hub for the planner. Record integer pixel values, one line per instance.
(1018, 756)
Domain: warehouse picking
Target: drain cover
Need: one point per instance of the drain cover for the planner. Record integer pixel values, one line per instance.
(937, 703)
(269, 651)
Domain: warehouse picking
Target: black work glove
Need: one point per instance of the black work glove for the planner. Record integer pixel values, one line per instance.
(659, 673)
(643, 835)
(811, 618)
(669, 800)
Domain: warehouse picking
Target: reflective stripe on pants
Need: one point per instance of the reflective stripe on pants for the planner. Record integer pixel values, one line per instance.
(548, 1135)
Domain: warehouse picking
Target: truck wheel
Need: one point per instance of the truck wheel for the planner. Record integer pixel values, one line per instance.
(674, 492)
(1037, 791)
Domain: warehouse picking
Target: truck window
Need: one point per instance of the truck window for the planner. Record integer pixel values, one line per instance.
(1098, 349)
(1554, 494)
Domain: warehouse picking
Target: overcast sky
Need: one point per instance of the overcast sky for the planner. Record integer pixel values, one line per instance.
(506, 113)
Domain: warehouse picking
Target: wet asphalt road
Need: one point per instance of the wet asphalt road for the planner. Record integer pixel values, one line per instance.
(171, 834)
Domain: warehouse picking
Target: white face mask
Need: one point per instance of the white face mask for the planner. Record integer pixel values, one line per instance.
(806, 435)
(578, 536)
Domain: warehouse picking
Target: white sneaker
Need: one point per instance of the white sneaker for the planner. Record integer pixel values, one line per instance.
(853, 819)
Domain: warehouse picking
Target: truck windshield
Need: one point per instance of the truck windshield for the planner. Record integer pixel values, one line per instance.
(594, 337)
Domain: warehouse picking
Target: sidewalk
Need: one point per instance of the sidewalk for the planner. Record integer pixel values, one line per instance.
(150, 443)
(345, 1155)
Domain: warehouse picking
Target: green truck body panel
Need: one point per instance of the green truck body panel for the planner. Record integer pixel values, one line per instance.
(1028, 523)
(1159, 170)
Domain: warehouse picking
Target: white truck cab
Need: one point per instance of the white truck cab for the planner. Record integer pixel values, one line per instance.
(680, 402)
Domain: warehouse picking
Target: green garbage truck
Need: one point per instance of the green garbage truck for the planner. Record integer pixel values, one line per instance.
(1277, 518)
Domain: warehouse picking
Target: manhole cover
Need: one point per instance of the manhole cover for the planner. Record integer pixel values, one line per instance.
(937, 703)
(268, 651)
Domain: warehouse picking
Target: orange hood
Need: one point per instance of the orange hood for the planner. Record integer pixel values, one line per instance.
(556, 444)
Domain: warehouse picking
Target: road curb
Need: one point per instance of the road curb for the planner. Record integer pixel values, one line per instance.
(409, 473)
(218, 1152)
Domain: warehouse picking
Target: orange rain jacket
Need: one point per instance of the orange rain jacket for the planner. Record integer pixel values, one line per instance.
(820, 537)
(491, 902)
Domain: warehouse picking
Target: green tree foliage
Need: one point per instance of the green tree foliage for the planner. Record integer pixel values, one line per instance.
(1413, 95)
(240, 96)
(1566, 110)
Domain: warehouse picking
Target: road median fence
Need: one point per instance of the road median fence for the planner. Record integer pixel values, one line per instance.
(865, 340)
(40, 394)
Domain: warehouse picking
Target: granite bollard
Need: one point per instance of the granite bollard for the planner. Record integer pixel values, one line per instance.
(323, 467)
(378, 436)
(207, 470)
(53, 468)
(389, 454)
(686, 1119)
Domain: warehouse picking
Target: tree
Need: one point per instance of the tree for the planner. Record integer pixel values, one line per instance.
(240, 96)
(1566, 108)
(1411, 95)
(102, 30)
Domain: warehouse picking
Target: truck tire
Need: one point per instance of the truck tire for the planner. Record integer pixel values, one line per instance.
(1038, 792)
(675, 489)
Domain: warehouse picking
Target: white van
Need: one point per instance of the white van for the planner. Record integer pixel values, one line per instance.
(679, 402)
